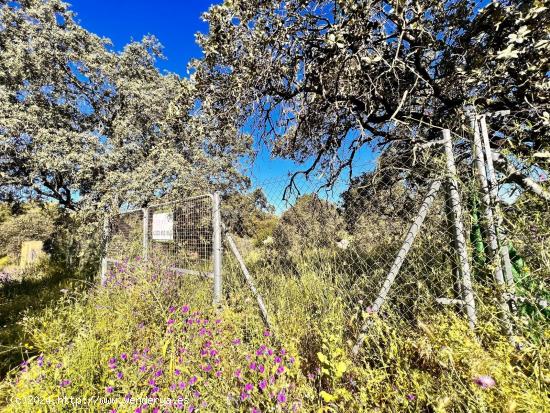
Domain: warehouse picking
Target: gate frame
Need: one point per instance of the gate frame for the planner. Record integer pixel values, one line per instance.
(217, 249)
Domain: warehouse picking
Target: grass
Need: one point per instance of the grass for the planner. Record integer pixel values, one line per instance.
(151, 334)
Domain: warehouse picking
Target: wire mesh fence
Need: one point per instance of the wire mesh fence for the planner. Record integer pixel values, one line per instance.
(403, 248)
(175, 235)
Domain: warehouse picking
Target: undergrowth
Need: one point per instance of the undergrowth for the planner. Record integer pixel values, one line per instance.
(152, 342)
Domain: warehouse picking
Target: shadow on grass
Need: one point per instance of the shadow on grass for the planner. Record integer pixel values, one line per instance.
(26, 297)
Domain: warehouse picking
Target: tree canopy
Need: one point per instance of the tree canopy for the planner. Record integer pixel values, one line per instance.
(318, 80)
(87, 126)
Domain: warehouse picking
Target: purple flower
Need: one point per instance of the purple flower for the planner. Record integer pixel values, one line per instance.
(485, 382)
(171, 309)
(252, 366)
(411, 397)
(158, 373)
(119, 375)
(281, 397)
(280, 370)
(244, 396)
(109, 389)
(206, 368)
(278, 360)
(236, 341)
(191, 409)
(193, 380)
(40, 360)
(124, 356)
(182, 385)
(248, 387)
(260, 368)
(267, 333)
(64, 383)
(218, 373)
(213, 353)
(155, 390)
(238, 373)
(185, 309)
(263, 384)
(177, 372)
(170, 321)
(151, 382)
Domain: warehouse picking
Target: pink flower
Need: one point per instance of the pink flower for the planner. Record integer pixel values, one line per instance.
(485, 382)
(281, 397)
(185, 309)
(263, 384)
(267, 333)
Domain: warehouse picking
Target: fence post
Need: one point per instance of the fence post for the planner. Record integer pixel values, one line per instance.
(493, 191)
(217, 248)
(105, 245)
(399, 259)
(145, 233)
(458, 225)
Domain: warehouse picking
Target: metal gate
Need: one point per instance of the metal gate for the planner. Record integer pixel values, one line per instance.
(183, 236)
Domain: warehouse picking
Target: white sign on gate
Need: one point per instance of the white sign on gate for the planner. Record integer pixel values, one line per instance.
(163, 226)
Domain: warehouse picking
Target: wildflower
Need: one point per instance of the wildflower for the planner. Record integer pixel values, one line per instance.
(485, 382)
(182, 385)
(151, 382)
(269, 351)
(280, 370)
(172, 387)
(218, 373)
(119, 375)
(171, 309)
(112, 363)
(64, 383)
(281, 397)
(213, 353)
(206, 368)
(238, 373)
(260, 368)
(109, 389)
(40, 360)
(158, 373)
(177, 372)
(196, 394)
(283, 352)
(191, 409)
(156, 410)
(278, 360)
(124, 357)
(263, 384)
(185, 309)
(193, 380)
(155, 390)
(255, 410)
(128, 397)
(236, 341)
(252, 366)
(248, 387)
(244, 396)
(291, 360)
(267, 333)
(170, 321)
(411, 397)
(218, 321)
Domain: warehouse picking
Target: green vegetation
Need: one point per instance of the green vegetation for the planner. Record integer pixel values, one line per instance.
(149, 332)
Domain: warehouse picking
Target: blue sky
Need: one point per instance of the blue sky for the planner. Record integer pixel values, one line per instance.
(174, 23)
